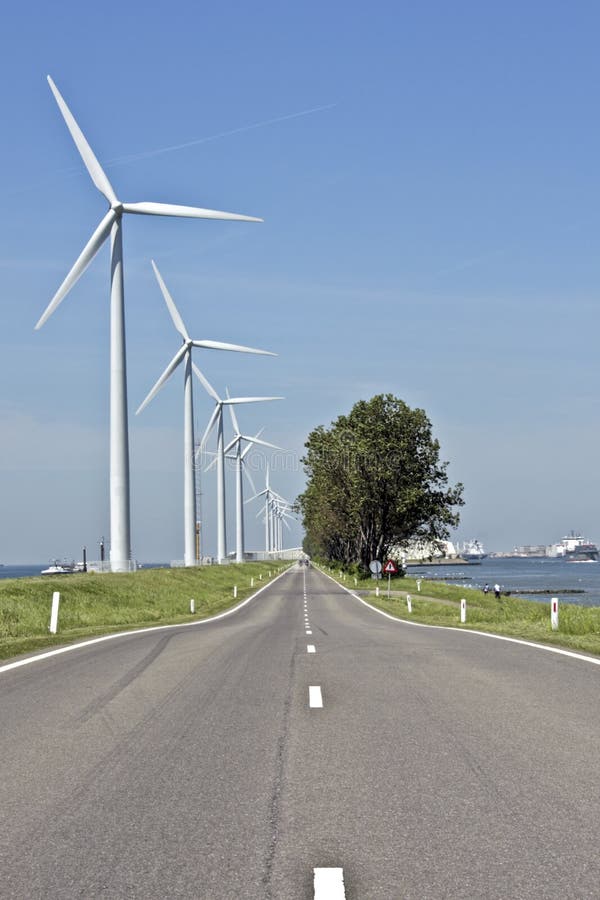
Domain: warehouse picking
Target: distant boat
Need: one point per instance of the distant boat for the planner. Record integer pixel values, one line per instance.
(63, 568)
(472, 551)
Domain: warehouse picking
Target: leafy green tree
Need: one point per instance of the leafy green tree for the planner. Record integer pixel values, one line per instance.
(375, 481)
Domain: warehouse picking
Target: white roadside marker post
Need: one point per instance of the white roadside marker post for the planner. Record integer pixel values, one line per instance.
(377, 591)
(419, 585)
(355, 581)
(409, 603)
(54, 613)
(554, 613)
(235, 592)
(463, 611)
(192, 606)
(252, 582)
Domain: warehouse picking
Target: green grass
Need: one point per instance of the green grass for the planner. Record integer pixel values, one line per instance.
(439, 604)
(93, 604)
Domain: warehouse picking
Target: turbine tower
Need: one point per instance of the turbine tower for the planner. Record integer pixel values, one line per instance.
(217, 419)
(184, 355)
(110, 225)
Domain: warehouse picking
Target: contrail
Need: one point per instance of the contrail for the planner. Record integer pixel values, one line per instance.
(122, 160)
(72, 171)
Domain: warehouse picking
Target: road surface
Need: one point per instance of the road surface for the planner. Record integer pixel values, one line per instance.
(189, 762)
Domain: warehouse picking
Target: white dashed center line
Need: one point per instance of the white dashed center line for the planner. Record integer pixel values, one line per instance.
(308, 631)
(329, 884)
(310, 648)
(315, 698)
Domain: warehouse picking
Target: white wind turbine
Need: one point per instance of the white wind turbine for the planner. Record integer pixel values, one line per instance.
(120, 528)
(281, 513)
(240, 456)
(276, 512)
(217, 419)
(269, 496)
(184, 355)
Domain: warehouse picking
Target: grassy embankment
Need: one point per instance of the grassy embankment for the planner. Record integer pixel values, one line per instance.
(439, 604)
(92, 604)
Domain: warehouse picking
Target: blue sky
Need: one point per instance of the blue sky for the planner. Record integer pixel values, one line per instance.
(431, 230)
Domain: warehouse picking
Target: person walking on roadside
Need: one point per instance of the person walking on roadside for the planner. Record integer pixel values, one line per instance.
(497, 591)
(486, 589)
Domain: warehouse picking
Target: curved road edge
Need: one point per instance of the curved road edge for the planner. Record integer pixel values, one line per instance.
(595, 660)
(38, 657)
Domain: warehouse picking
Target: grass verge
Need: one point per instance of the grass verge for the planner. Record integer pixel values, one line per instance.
(93, 604)
(439, 604)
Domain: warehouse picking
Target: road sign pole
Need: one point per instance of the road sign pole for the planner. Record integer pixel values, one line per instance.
(389, 582)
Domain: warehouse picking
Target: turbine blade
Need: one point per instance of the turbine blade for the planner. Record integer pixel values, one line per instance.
(188, 212)
(219, 345)
(231, 444)
(177, 320)
(250, 399)
(233, 416)
(253, 440)
(211, 423)
(97, 173)
(201, 449)
(212, 463)
(247, 449)
(164, 377)
(250, 479)
(249, 500)
(206, 384)
(83, 261)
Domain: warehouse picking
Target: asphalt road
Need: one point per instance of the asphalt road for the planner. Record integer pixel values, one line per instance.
(188, 762)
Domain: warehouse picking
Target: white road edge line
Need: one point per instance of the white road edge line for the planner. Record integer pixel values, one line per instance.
(488, 634)
(329, 884)
(120, 634)
(310, 648)
(315, 698)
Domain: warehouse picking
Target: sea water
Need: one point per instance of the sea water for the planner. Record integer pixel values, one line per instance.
(33, 569)
(520, 576)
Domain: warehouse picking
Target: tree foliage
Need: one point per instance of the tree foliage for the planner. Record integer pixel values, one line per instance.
(375, 481)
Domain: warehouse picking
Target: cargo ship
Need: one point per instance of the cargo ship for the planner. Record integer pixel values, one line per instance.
(575, 548)
(472, 552)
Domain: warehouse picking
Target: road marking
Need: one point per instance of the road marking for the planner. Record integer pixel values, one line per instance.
(308, 632)
(310, 648)
(488, 634)
(329, 884)
(315, 698)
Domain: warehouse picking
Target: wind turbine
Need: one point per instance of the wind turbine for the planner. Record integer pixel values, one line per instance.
(184, 355)
(269, 496)
(120, 528)
(275, 513)
(240, 456)
(217, 419)
(281, 510)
